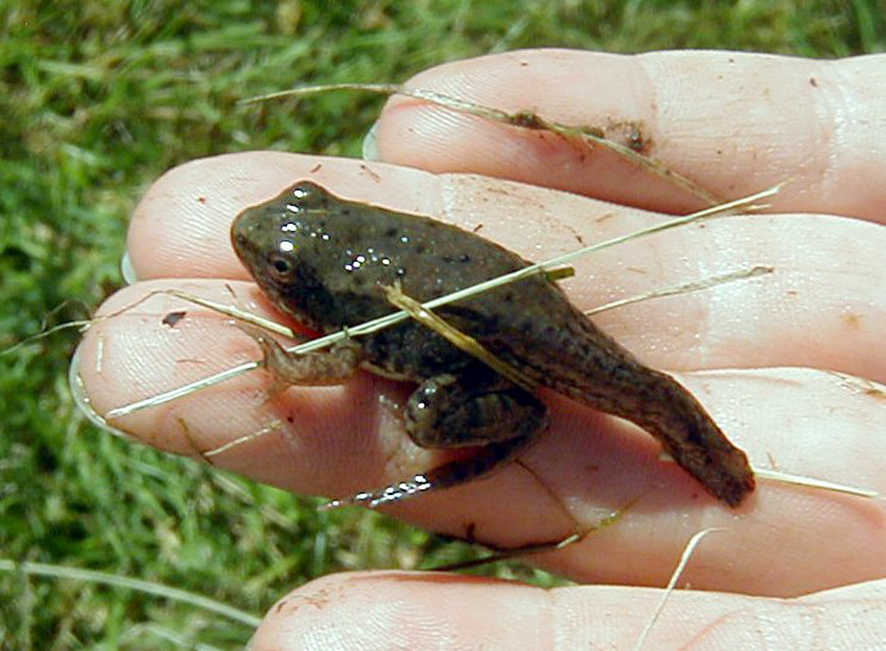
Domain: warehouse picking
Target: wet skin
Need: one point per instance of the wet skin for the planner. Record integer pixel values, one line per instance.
(325, 261)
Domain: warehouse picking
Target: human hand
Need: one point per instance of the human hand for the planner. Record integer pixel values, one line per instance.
(734, 123)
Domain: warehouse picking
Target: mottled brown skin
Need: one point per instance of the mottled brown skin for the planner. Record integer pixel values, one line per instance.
(324, 260)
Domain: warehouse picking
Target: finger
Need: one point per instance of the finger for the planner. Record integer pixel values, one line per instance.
(735, 123)
(819, 308)
(181, 227)
(389, 609)
(341, 440)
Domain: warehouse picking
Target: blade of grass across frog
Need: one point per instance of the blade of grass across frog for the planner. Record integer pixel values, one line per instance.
(458, 338)
(522, 119)
(272, 326)
(746, 203)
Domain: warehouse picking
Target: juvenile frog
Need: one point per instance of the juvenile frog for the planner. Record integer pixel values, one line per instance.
(325, 261)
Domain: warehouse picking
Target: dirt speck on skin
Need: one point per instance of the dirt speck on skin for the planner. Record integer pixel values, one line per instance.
(638, 141)
(319, 600)
(851, 319)
(528, 120)
(172, 318)
(861, 385)
(632, 133)
(375, 177)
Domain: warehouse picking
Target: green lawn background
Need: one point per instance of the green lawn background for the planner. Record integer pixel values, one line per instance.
(99, 98)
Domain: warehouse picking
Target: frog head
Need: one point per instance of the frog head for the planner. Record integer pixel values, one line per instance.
(277, 242)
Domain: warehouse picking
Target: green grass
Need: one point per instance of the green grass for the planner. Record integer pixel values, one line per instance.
(99, 98)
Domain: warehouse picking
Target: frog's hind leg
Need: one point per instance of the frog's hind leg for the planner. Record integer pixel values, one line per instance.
(448, 412)
(474, 408)
(448, 475)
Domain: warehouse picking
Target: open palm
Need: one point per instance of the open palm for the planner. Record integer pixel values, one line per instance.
(787, 364)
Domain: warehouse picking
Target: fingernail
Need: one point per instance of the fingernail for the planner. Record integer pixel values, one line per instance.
(127, 270)
(81, 398)
(370, 144)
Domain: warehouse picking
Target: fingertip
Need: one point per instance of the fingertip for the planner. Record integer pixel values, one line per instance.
(370, 144)
(79, 390)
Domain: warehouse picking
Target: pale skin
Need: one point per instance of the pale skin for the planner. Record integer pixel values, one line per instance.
(760, 355)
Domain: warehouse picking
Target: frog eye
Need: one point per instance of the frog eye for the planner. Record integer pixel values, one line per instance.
(279, 266)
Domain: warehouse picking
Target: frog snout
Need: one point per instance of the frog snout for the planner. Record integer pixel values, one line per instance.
(238, 237)
(243, 234)
(239, 241)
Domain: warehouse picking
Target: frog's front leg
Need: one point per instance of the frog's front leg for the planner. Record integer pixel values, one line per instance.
(321, 367)
(449, 412)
